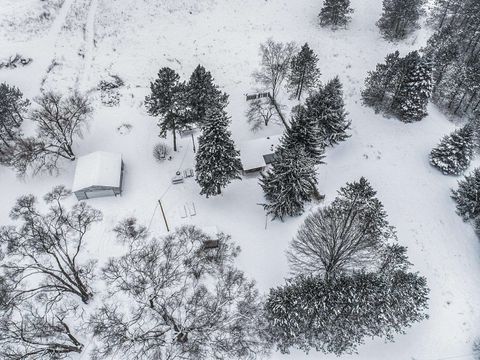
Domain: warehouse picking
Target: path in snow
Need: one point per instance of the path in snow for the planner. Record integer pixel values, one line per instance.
(90, 44)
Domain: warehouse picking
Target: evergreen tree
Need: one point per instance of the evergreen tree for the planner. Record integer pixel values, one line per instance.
(326, 106)
(400, 18)
(217, 160)
(455, 51)
(360, 198)
(304, 73)
(12, 111)
(335, 13)
(304, 132)
(467, 196)
(400, 87)
(290, 183)
(444, 12)
(203, 94)
(382, 81)
(454, 153)
(411, 100)
(167, 100)
(336, 315)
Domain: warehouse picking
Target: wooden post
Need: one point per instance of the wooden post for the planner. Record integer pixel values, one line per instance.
(163, 213)
(193, 142)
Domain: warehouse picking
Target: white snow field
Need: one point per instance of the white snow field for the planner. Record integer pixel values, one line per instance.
(88, 40)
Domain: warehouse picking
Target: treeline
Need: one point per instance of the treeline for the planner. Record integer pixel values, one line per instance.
(455, 49)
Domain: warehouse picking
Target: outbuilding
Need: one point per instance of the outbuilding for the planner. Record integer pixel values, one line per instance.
(98, 174)
(256, 154)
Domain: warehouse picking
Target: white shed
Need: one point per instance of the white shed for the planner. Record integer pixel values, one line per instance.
(256, 154)
(98, 174)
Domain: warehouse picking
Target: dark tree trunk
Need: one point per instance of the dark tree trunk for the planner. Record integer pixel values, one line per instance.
(279, 112)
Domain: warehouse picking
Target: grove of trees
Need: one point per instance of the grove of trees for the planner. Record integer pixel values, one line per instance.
(351, 280)
(400, 87)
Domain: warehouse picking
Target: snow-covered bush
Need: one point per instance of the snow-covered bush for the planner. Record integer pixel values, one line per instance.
(454, 153)
(109, 90)
(161, 151)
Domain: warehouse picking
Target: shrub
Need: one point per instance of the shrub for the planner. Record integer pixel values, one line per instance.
(161, 152)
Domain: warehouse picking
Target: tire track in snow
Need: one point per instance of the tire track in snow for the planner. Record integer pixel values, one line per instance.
(52, 39)
(90, 44)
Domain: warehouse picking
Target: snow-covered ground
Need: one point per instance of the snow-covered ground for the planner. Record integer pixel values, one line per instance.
(85, 41)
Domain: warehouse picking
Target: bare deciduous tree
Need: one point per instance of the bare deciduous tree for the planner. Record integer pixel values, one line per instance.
(350, 234)
(259, 113)
(184, 299)
(60, 121)
(275, 65)
(32, 331)
(47, 247)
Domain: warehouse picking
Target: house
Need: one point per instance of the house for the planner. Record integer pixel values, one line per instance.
(98, 174)
(256, 154)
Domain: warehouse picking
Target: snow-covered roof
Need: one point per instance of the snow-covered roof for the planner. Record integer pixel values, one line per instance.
(99, 168)
(252, 151)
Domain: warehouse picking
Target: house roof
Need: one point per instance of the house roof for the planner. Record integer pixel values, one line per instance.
(252, 151)
(99, 168)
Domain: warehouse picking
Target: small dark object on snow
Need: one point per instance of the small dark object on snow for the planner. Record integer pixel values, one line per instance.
(188, 173)
(258, 96)
(178, 178)
(211, 244)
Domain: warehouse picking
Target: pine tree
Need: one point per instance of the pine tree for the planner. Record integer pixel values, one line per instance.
(304, 132)
(203, 94)
(444, 12)
(217, 160)
(400, 87)
(382, 81)
(336, 315)
(304, 73)
(454, 153)
(400, 18)
(335, 13)
(467, 196)
(326, 106)
(12, 111)
(289, 184)
(411, 100)
(359, 197)
(167, 100)
(455, 50)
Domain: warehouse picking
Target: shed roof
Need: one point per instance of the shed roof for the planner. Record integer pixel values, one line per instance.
(99, 168)
(252, 151)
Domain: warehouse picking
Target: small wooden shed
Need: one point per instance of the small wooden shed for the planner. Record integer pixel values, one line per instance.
(256, 154)
(98, 174)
